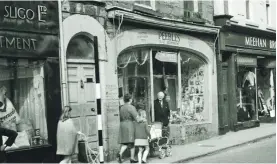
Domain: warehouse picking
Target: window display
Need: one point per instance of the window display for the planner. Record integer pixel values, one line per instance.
(133, 76)
(246, 93)
(266, 92)
(22, 101)
(192, 93)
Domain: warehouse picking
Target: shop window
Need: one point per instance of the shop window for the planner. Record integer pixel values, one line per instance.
(193, 90)
(22, 101)
(246, 93)
(266, 92)
(134, 76)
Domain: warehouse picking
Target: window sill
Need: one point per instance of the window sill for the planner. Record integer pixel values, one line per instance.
(271, 28)
(251, 23)
(29, 148)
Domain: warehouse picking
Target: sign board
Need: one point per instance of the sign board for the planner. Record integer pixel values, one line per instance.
(34, 16)
(247, 60)
(167, 57)
(21, 44)
(249, 42)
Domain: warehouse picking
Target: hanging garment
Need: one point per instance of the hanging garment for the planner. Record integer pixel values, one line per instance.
(250, 77)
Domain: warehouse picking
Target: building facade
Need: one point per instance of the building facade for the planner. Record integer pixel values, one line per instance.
(30, 99)
(144, 47)
(246, 63)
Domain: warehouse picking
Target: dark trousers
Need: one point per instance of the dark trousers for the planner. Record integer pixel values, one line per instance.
(11, 138)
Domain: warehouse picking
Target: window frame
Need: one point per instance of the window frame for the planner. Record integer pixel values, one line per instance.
(268, 12)
(151, 7)
(248, 15)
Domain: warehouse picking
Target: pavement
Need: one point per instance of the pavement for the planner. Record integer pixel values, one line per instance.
(188, 152)
(263, 151)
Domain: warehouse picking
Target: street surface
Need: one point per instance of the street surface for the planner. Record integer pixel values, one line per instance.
(260, 152)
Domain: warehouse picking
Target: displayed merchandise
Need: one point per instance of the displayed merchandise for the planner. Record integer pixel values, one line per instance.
(22, 101)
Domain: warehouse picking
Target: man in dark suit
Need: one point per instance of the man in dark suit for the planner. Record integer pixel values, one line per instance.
(162, 111)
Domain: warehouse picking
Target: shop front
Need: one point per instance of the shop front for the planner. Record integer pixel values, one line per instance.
(248, 67)
(30, 100)
(181, 66)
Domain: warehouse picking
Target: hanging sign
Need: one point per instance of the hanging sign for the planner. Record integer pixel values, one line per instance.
(167, 57)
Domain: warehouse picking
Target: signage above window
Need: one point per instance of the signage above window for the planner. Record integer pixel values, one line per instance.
(35, 16)
(240, 41)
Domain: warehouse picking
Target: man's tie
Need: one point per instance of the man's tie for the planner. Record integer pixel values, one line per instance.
(161, 102)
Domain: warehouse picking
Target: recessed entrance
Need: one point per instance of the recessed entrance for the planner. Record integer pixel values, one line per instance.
(81, 86)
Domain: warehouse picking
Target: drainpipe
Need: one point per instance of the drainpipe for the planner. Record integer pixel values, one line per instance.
(62, 58)
(217, 35)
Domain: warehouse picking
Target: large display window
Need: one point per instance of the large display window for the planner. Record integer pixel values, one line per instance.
(180, 75)
(246, 93)
(22, 101)
(266, 92)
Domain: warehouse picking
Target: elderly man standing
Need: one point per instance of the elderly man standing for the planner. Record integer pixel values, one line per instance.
(162, 111)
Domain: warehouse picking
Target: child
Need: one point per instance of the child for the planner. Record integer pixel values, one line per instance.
(142, 132)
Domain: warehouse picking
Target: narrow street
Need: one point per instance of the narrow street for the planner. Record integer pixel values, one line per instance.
(260, 152)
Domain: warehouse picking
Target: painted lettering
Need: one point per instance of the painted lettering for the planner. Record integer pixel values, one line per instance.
(272, 44)
(255, 42)
(10, 43)
(25, 14)
(18, 43)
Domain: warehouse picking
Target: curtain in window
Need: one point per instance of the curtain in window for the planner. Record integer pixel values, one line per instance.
(32, 98)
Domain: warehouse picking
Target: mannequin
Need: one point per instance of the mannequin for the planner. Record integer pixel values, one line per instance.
(250, 77)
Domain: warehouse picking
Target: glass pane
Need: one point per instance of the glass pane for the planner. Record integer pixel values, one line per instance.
(266, 92)
(134, 77)
(80, 47)
(193, 89)
(144, 2)
(246, 93)
(22, 101)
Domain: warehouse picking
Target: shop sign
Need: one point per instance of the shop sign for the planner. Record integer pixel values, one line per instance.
(35, 16)
(250, 42)
(14, 43)
(169, 38)
(167, 57)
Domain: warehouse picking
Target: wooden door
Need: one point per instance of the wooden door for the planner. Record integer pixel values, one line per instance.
(81, 86)
(225, 105)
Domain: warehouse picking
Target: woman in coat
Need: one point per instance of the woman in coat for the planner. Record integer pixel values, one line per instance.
(128, 115)
(67, 136)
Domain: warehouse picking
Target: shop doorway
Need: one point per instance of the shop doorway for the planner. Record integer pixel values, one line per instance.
(81, 87)
(171, 90)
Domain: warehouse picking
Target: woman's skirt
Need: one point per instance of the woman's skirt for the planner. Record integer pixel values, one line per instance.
(141, 142)
(126, 132)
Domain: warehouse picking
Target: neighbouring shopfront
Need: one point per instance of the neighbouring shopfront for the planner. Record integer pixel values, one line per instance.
(183, 67)
(30, 100)
(248, 67)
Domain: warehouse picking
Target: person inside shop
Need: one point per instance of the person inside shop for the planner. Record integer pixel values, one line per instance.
(162, 112)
